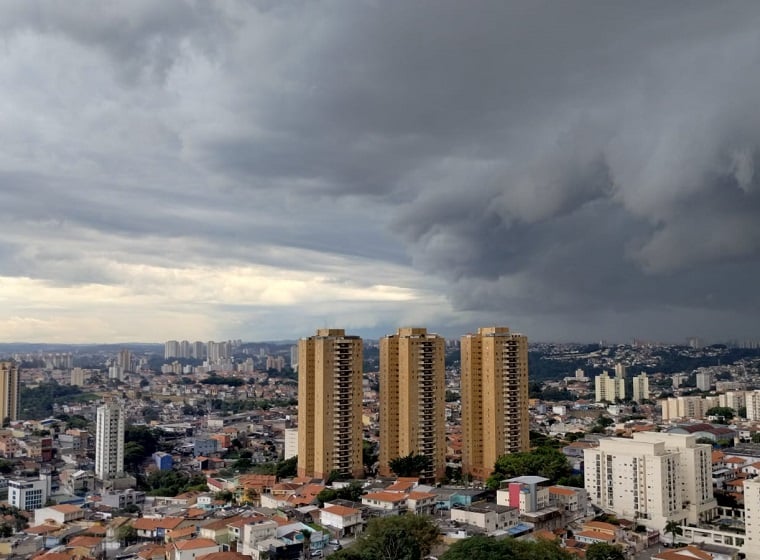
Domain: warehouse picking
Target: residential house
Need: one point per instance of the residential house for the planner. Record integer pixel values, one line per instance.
(341, 520)
(190, 549)
(488, 517)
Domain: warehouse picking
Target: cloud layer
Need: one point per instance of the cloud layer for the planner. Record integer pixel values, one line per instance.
(186, 169)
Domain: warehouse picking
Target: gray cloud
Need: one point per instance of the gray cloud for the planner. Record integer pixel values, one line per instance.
(554, 165)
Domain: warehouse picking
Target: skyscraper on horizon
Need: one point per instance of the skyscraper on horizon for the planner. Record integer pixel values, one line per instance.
(412, 399)
(494, 394)
(9, 391)
(109, 441)
(330, 404)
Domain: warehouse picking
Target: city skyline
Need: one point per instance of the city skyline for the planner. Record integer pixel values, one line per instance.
(259, 171)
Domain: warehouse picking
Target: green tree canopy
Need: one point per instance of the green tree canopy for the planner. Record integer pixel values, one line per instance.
(505, 549)
(724, 413)
(411, 465)
(402, 537)
(543, 461)
(604, 551)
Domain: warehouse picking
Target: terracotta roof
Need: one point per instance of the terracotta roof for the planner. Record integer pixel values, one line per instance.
(42, 529)
(561, 491)
(57, 556)
(340, 510)
(151, 524)
(152, 551)
(194, 543)
(176, 534)
(385, 496)
(598, 535)
(225, 555)
(734, 460)
(600, 526)
(402, 485)
(66, 508)
(683, 554)
(87, 542)
(419, 495)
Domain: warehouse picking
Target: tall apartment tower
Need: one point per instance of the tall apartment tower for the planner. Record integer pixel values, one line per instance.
(412, 399)
(109, 441)
(494, 389)
(654, 478)
(641, 387)
(9, 391)
(608, 389)
(330, 404)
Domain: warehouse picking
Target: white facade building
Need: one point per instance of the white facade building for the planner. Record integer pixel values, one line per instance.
(653, 478)
(109, 441)
(704, 380)
(641, 387)
(752, 402)
(752, 518)
(29, 494)
(291, 443)
(608, 388)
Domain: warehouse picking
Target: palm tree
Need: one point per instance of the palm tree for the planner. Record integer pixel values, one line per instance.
(674, 528)
(306, 543)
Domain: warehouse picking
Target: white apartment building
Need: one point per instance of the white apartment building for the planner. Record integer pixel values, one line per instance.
(641, 387)
(704, 380)
(752, 519)
(608, 388)
(255, 536)
(752, 402)
(653, 478)
(109, 441)
(291, 443)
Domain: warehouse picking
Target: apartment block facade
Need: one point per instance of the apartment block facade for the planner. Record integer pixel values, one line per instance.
(109, 441)
(412, 399)
(608, 389)
(9, 391)
(641, 387)
(653, 478)
(494, 392)
(330, 404)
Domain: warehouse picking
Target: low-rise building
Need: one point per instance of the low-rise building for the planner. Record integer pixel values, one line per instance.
(489, 517)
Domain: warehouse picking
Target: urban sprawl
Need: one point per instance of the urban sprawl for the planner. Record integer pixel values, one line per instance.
(412, 446)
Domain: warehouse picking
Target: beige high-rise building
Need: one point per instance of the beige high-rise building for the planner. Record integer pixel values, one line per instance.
(330, 404)
(412, 399)
(9, 391)
(494, 389)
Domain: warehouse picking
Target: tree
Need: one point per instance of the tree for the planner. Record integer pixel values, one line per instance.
(674, 528)
(403, 537)
(505, 549)
(723, 413)
(543, 461)
(287, 468)
(410, 466)
(604, 551)
(127, 535)
(306, 542)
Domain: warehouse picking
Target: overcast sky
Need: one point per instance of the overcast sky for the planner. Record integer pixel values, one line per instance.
(210, 170)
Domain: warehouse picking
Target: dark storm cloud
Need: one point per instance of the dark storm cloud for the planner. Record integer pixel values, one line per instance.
(562, 163)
